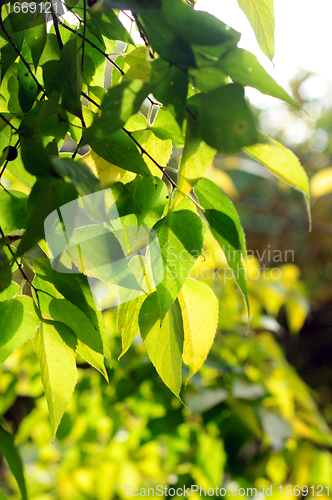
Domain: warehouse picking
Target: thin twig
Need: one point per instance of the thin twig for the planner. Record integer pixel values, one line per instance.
(8, 123)
(56, 27)
(94, 46)
(84, 30)
(143, 151)
(41, 89)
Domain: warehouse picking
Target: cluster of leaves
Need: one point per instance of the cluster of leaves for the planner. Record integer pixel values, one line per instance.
(249, 420)
(52, 84)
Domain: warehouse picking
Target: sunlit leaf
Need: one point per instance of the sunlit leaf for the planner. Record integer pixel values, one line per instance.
(55, 346)
(13, 211)
(181, 236)
(225, 226)
(18, 323)
(226, 122)
(163, 341)
(283, 163)
(120, 150)
(128, 322)
(82, 178)
(260, 14)
(46, 196)
(243, 68)
(89, 341)
(197, 158)
(199, 307)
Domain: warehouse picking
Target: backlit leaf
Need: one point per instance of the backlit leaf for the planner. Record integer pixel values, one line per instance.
(18, 323)
(13, 211)
(283, 163)
(89, 342)
(197, 158)
(243, 68)
(181, 236)
(199, 307)
(225, 226)
(120, 150)
(163, 341)
(55, 346)
(260, 14)
(226, 122)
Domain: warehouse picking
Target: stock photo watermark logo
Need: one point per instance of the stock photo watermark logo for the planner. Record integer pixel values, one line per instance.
(24, 15)
(87, 235)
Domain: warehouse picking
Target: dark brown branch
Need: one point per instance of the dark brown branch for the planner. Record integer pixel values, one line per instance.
(20, 55)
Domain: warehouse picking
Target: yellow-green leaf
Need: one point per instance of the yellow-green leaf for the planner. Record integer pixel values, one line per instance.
(55, 345)
(260, 14)
(321, 182)
(158, 149)
(108, 173)
(128, 322)
(296, 310)
(163, 341)
(199, 308)
(283, 163)
(196, 159)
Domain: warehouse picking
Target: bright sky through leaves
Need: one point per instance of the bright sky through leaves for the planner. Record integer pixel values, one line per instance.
(302, 36)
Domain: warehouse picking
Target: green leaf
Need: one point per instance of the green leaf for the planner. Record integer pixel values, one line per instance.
(163, 342)
(36, 38)
(197, 158)
(225, 226)
(27, 87)
(3, 496)
(181, 237)
(225, 120)
(118, 105)
(159, 150)
(208, 78)
(172, 91)
(65, 77)
(46, 196)
(76, 289)
(96, 251)
(79, 174)
(283, 163)
(260, 14)
(10, 292)
(127, 322)
(89, 341)
(169, 46)
(107, 24)
(135, 5)
(35, 157)
(55, 346)
(199, 307)
(9, 451)
(8, 57)
(150, 199)
(5, 270)
(71, 64)
(120, 150)
(13, 211)
(243, 68)
(18, 323)
(166, 127)
(196, 27)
